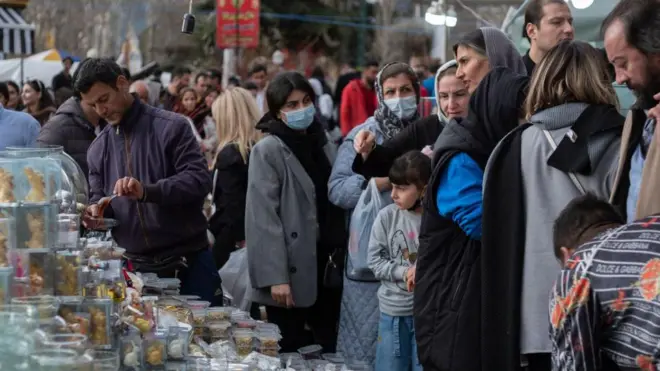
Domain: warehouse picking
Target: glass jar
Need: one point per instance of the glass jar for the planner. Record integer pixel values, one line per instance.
(74, 192)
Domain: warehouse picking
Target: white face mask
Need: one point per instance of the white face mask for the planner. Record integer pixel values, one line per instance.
(403, 108)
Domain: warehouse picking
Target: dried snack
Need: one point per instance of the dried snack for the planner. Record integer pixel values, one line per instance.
(35, 225)
(267, 351)
(154, 353)
(37, 191)
(6, 187)
(131, 355)
(215, 314)
(99, 330)
(67, 279)
(269, 339)
(37, 274)
(219, 330)
(243, 341)
(4, 262)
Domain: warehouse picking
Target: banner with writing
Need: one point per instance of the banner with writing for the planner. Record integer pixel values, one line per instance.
(237, 24)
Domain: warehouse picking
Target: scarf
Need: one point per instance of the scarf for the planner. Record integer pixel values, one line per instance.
(390, 124)
(308, 147)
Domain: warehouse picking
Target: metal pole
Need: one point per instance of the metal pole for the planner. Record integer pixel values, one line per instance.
(361, 34)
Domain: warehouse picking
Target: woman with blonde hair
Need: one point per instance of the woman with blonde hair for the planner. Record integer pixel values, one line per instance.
(235, 113)
(568, 148)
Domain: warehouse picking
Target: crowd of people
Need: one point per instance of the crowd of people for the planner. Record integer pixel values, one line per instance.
(515, 228)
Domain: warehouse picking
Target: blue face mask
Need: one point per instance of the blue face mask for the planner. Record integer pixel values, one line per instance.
(300, 119)
(403, 108)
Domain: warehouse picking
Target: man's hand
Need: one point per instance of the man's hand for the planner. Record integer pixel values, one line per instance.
(364, 143)
(92, 211)
(282, 295)
(655, 111)
(383, 184)
(410, 278)
(129, 187)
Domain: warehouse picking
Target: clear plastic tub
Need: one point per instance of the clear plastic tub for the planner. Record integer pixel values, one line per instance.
(311, 352)
(246, 323)
(155, 354)
(268, 339)
(199, 317)
(198, 304)
(177, 343)
(244, 341)
(219, 330)
(214, 314)
(268, 327)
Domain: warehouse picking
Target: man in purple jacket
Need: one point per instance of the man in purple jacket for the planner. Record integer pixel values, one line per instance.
(150, 159)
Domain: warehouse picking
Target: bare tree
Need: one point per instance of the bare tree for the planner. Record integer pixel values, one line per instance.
(384, 47)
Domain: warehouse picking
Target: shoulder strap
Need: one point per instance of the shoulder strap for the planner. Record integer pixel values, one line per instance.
(571, 175)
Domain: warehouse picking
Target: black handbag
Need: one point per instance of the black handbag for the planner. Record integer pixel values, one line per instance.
(333, 275)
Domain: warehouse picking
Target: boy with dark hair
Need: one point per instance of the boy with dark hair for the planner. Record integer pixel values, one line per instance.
(604, 304)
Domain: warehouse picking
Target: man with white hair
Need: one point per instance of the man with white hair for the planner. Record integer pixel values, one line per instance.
(141, 89)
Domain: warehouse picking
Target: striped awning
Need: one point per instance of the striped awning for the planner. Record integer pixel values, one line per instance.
(16, 35)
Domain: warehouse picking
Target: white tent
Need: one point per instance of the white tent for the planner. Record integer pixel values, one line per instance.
(32, 69)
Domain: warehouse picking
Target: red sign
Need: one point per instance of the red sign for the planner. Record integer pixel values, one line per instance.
(237, 24)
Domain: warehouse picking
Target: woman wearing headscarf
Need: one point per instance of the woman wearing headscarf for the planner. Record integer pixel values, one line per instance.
(397, 89)
(570, 147)
(452, 100)
(447, 280)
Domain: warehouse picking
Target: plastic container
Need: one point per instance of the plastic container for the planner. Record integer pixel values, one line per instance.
(214, 314)
(131, 352)
(268, 339)
(155, 353)
(247, 323)
(34, 270)
(199, 317)
(6, 281)
(68, 226)
(100, 331)
(198, 304)
(7, 240)
(354, 365)
(244, 341)
(311, 352)
(268, 327)
(77, 342)
(68, 273)
(219, 330)
(177, 343)
(46, 306)
(171, 283)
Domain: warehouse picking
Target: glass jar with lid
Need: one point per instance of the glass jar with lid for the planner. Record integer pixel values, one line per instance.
(74, 192)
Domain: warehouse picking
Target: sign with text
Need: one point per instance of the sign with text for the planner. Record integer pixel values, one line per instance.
(237, 24)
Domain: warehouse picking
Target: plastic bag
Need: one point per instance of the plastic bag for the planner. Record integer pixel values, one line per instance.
(363, 217)
(236, 279)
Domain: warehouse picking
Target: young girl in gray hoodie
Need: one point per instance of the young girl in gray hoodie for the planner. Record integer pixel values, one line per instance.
(392, 253)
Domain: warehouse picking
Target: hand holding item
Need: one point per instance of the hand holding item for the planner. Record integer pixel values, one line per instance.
(364, 142)
(428, 151)
(91, 213)
(129, 187)
(282, 295)
(410, 278)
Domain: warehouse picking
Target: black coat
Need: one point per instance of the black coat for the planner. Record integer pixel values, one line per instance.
(70, 129)
(230, 189)
(416, 136)
(447, 303)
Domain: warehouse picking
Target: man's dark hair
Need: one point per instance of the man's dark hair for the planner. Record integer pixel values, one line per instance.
(372, 63)
(4, 91)
(258, 68)
(200, 75)
(582, 220)
(180, 72)
(215, 73)
(435, 65)
(67, 59)
(95, 70)
(534, 13)
(126, 72)
(249, 85)
(641, 22)
(413, 168)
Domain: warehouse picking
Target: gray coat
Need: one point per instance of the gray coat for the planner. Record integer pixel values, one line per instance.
(281, 230)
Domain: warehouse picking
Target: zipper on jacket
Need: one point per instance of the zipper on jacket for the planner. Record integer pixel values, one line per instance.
(127, 150)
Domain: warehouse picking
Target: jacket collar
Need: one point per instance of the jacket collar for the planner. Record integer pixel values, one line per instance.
(130, 118)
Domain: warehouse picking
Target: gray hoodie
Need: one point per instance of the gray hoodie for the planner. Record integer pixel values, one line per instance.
(392, 251)
(547, 191)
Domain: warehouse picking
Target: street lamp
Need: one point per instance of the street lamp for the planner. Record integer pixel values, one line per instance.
(582, 4)
(435, 16)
